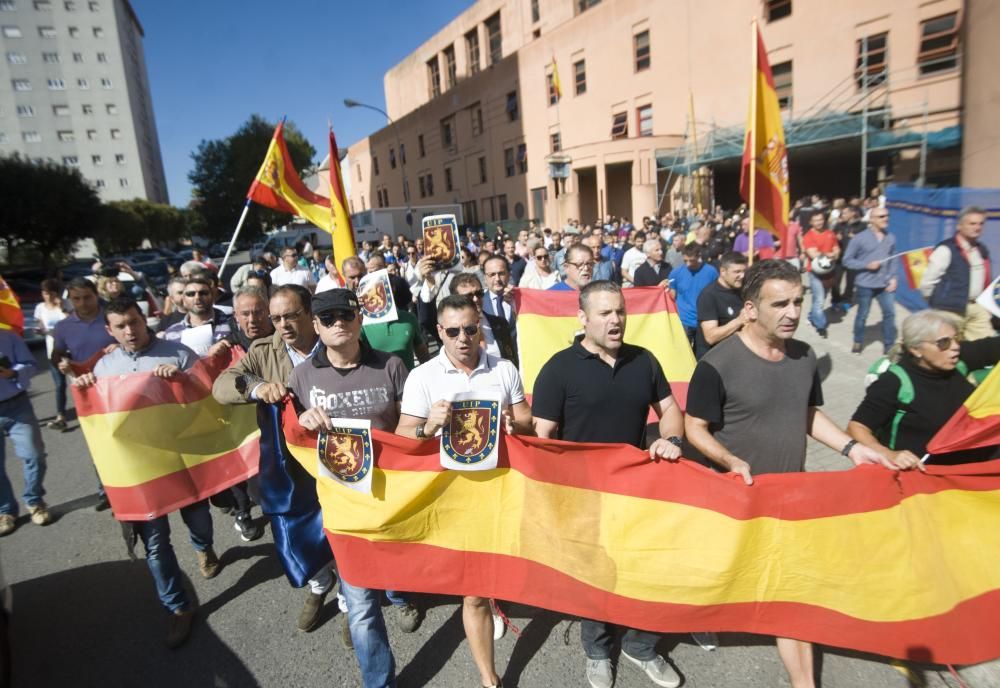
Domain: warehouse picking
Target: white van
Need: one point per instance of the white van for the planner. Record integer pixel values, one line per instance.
(274, 243)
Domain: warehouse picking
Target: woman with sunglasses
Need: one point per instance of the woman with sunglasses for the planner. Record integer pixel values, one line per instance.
(922, 387)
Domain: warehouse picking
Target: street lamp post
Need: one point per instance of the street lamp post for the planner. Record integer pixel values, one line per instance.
(351, 103)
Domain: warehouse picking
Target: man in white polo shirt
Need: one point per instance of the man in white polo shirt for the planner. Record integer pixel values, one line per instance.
(290, 272)
(463, 366)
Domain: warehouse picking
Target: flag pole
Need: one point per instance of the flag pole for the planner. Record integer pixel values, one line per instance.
(751, 230)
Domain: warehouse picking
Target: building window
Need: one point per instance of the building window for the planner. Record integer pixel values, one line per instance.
(20, 84)
(74, 32)
(83, 84)
(66, 135)
(777, 9)
(70, 5)
(508, 161)
(88, 109)
(555, 142)
(482, 170)
(494, 38)
(25, 111)
(489, 213)
(502, 206)
(51, 58)
(385, 197)
(98, 32)
(77, 57)
(71, 161)
(470, 213)
(580, 77)
(512, 112)
(106, 83)
(535, 13)
(47, 31)
(476, 113)
(402, 153)
(448, 186)
(448, 132)
(873, 59)
(7, 6)
(938, 44)
(783, 83)
(11, 32)
(17, 58)
(642, 56)
(31, 137)
(550, 87)
(116, 134)
(94, 6)
(123, 182)
(644, 119)
(102, 57)
(422, 185)
(375, 165)
(619, 125)
(450, 69)
(433, 77)
(359, 171)
(584, 5)
(420, 146)
(96, 160)
(92, 134)
(430, 184)
(43, 5)
(522, 158)
(57, 85)
(99, 183)
(111, 109)
(60, 110)
(472, 50)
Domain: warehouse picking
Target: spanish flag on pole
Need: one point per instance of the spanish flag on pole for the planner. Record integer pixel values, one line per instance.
(915, 264)
(279, 187)
(343, 233)
(764, 183)
(11, 315)
(898, 564)
(975, 424)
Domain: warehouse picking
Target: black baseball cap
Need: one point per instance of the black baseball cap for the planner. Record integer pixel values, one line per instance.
(335, 300)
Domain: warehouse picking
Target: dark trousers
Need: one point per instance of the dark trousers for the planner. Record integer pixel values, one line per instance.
(597, 638)
(427, 318)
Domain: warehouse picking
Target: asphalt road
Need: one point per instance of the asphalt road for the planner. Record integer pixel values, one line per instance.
(84, 615)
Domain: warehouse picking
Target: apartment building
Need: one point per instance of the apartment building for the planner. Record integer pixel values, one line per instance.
(74, 90)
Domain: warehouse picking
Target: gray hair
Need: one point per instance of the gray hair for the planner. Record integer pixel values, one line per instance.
(650, 245)
(606, 286)
(921, 327)
(970, 210)
(253, 292)
(190, 266)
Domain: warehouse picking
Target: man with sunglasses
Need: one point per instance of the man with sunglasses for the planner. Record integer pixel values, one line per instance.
(464, 366)
(347, 378)
(497, 338)
(199, 302)
(290, 272)
(579, 266)
(869, 255)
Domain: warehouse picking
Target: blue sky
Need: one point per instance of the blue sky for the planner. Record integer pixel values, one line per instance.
(213, 63)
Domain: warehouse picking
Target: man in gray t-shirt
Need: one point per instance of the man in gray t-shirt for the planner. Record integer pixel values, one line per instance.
(755, 397)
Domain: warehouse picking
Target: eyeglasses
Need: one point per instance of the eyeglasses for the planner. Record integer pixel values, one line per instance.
(327, 319)
(588, 265)
(276, 319)
(469, 330)
(201, 292)
(259, 273)
(542, 256)
(944, 343)
(478, 294)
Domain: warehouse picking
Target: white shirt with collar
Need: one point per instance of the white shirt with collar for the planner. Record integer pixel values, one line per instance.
(281, 276)
(439, 379)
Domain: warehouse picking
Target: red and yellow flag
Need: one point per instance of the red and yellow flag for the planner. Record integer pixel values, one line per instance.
(868, 559)
(547, 323)
(11, 315)
(764, 144)
(343, 234)
(160, 444)
(915, 264)
(975, 424)
(556, 84)
(279, 187)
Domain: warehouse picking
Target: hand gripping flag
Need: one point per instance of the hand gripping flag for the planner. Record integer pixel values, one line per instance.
(343, 234)
(764, 145)
(279, 187)
(898, 564)
(975, 424)
(11, 315)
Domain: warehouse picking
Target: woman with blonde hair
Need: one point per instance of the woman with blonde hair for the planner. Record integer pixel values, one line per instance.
(925, 382)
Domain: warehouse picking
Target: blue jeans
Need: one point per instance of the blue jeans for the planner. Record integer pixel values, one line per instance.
(60, 382)
(817, 316)
(371, 641)
(160, 555)
(17, 420)
(887, 302)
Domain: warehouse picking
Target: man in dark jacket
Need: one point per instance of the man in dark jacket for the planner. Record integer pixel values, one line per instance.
(654, 272)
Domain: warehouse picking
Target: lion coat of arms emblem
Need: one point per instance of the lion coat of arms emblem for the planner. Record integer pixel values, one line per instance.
(472, 437)
(346, 454)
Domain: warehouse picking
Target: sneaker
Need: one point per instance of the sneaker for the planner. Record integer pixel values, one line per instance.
(40, 515)
(345, 633)
(599, 673)
(856, 348)
(57, 424)
(821, 331)
(8, 522)
(247, 529)
(499, 627)
(657, 670)
(706, 641)
(179, 627)
(102, 503)
(208, 563)
(407, 617)
(311, 611)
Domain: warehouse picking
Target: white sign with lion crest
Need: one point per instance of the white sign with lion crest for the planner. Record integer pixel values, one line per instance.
(375, 297)
(345, 453)
(471, 440)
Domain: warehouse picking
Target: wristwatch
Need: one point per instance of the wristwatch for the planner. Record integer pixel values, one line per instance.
(674, 440)
(419, 431)
(848, 447)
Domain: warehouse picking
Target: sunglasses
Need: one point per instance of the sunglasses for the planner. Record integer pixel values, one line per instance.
(478, 294)
(197, 293)
(327, 319)
(469, 330)
(542, 256)
(944, 343)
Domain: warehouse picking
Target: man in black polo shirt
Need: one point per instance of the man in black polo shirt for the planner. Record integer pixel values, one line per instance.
(720, 308)
(600, 390)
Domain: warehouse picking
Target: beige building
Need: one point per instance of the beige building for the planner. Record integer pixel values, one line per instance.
(652, 91)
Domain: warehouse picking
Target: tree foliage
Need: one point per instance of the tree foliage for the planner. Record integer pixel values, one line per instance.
(45, 209)
(224, 169)
(124, 225)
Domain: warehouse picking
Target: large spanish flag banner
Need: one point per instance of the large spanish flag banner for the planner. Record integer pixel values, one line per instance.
(898, 564)
(11, 315)
(343, 233)
(279, 187)
(160, 444)
(975, 424)
(915, 264)
(764, 144)
(547, 323)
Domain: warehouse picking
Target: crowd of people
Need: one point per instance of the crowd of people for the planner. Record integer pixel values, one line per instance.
(299, 322)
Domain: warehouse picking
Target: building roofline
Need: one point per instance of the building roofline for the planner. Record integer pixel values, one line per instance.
(135, 17)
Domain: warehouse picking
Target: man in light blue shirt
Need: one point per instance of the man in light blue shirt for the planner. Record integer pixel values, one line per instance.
(17, 419)
(871, 255)
(687, 283)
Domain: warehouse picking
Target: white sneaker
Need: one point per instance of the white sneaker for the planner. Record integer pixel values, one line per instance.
(707, 641)
(657, 670)
(499, 627)
(599, 673)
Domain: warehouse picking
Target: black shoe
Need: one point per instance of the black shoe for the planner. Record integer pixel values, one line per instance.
(821, 331)
(102, 503)
(247, 529)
